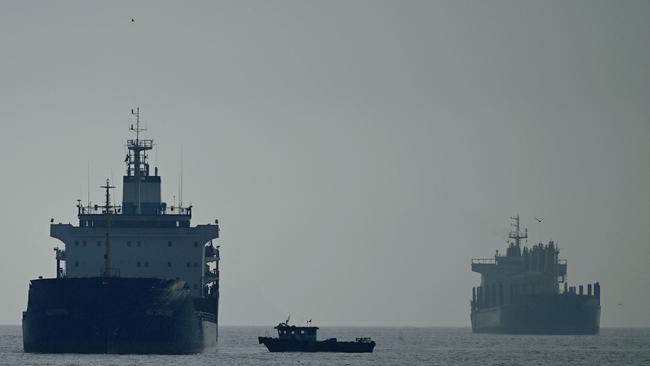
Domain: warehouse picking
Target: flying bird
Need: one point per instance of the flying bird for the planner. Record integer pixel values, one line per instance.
(539, 219)
(132, 20)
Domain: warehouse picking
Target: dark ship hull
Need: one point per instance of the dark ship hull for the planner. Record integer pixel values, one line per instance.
(117, 315)
(328, 345)
(541, 314)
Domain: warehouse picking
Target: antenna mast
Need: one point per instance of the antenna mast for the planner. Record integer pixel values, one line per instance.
(108, 212)
(180, 184)
(88, 187)
(516, 233)
(136, 159)
(137, 129)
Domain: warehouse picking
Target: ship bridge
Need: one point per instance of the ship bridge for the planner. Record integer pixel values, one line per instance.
(522, 270)
(522, 265)
(142, 237)
(521, 261)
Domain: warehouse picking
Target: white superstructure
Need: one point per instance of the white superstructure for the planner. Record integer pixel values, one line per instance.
(141, 238)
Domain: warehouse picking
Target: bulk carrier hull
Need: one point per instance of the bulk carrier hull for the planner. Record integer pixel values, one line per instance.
(565, 314)
(117, 315)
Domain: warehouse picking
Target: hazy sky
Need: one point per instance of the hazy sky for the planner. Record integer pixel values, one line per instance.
(358, 154)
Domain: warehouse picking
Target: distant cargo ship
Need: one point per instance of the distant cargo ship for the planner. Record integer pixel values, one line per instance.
(137, 277)
(520, 293)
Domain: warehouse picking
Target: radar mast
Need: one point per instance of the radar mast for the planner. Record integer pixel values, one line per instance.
(516, 233)
(136, 159)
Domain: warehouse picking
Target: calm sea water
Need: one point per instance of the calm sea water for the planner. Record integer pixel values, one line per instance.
(395, 346)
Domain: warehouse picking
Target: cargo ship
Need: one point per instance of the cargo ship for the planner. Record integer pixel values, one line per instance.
(520, 292)
(133, 278)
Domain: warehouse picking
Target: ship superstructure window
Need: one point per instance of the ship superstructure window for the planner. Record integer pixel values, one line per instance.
(76, 243)
(169, 264)
(187, 264)
(139, 264)
(76, 263)
(128, 243)
(84, 243)
(99, 243)
(196, 243)
(169, 243)
(139, 243)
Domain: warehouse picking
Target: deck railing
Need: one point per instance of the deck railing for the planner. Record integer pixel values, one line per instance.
(484, 261)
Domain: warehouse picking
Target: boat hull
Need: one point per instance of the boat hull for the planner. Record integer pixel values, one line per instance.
(541, 314)
(115, 315)
(330, 345)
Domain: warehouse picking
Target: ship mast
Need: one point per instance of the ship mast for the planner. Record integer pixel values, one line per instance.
(515, 233)
(108, 212)
(137, 159)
